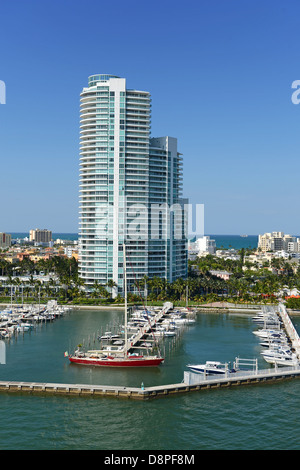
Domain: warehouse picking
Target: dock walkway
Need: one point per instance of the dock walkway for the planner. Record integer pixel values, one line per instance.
(147, 328)
(290, 329)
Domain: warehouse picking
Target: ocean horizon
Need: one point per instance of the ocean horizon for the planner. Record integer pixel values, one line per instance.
(55, 235)
(222, 241)
(236, 242)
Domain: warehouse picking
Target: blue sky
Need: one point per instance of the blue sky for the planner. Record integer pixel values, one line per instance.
(220, 75)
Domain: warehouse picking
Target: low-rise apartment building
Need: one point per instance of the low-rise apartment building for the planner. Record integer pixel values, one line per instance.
(40, 236)
(5, 240)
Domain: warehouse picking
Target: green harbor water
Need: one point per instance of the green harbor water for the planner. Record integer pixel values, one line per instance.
(243, 418)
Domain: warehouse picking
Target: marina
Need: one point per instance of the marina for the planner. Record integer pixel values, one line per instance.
(134, 344)
(128, 349)
(243, 372)
(23, 318)
(54, 416)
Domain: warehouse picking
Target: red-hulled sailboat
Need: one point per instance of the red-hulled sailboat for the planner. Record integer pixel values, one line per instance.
(93, 358)
(116, 358)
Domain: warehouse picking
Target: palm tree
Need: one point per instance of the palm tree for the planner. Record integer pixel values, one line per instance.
(96, 289)
(4, 265)
(179, 287)
(156, 284)
(26, 291)
(111, 283)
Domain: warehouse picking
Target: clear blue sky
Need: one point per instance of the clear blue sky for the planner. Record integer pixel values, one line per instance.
(220, 75)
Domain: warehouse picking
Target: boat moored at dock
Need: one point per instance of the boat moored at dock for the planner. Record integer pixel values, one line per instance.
(211, 368)
(97, 358)
(120, 356)
(279, 351)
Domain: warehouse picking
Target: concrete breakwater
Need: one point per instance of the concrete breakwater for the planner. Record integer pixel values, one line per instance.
(145, 393)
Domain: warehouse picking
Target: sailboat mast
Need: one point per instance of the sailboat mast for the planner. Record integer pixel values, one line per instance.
(125, 295)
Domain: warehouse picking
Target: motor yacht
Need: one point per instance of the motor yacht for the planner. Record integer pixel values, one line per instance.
(269, 333)
(210, 368)
(281, 356)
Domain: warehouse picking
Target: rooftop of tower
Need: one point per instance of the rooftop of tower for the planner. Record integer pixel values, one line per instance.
(93, 79)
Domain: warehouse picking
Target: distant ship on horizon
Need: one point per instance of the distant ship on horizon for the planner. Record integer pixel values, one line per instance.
(244, 236)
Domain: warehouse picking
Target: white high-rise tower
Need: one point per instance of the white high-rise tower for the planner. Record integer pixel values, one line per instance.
(123, 175)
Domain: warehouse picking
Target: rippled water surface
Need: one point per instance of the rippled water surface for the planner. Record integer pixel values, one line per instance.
(246, 417)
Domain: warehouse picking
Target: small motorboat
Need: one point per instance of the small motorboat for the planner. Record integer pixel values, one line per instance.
(268, 320)
(269, 333)
(279, 351)
(169, 333)
(270, 343)
(211, 368)
(282, 359)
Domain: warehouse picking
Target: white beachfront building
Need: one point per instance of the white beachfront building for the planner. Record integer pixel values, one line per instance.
(201, 246)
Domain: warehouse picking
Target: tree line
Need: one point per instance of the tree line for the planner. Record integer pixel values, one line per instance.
(248, 282)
